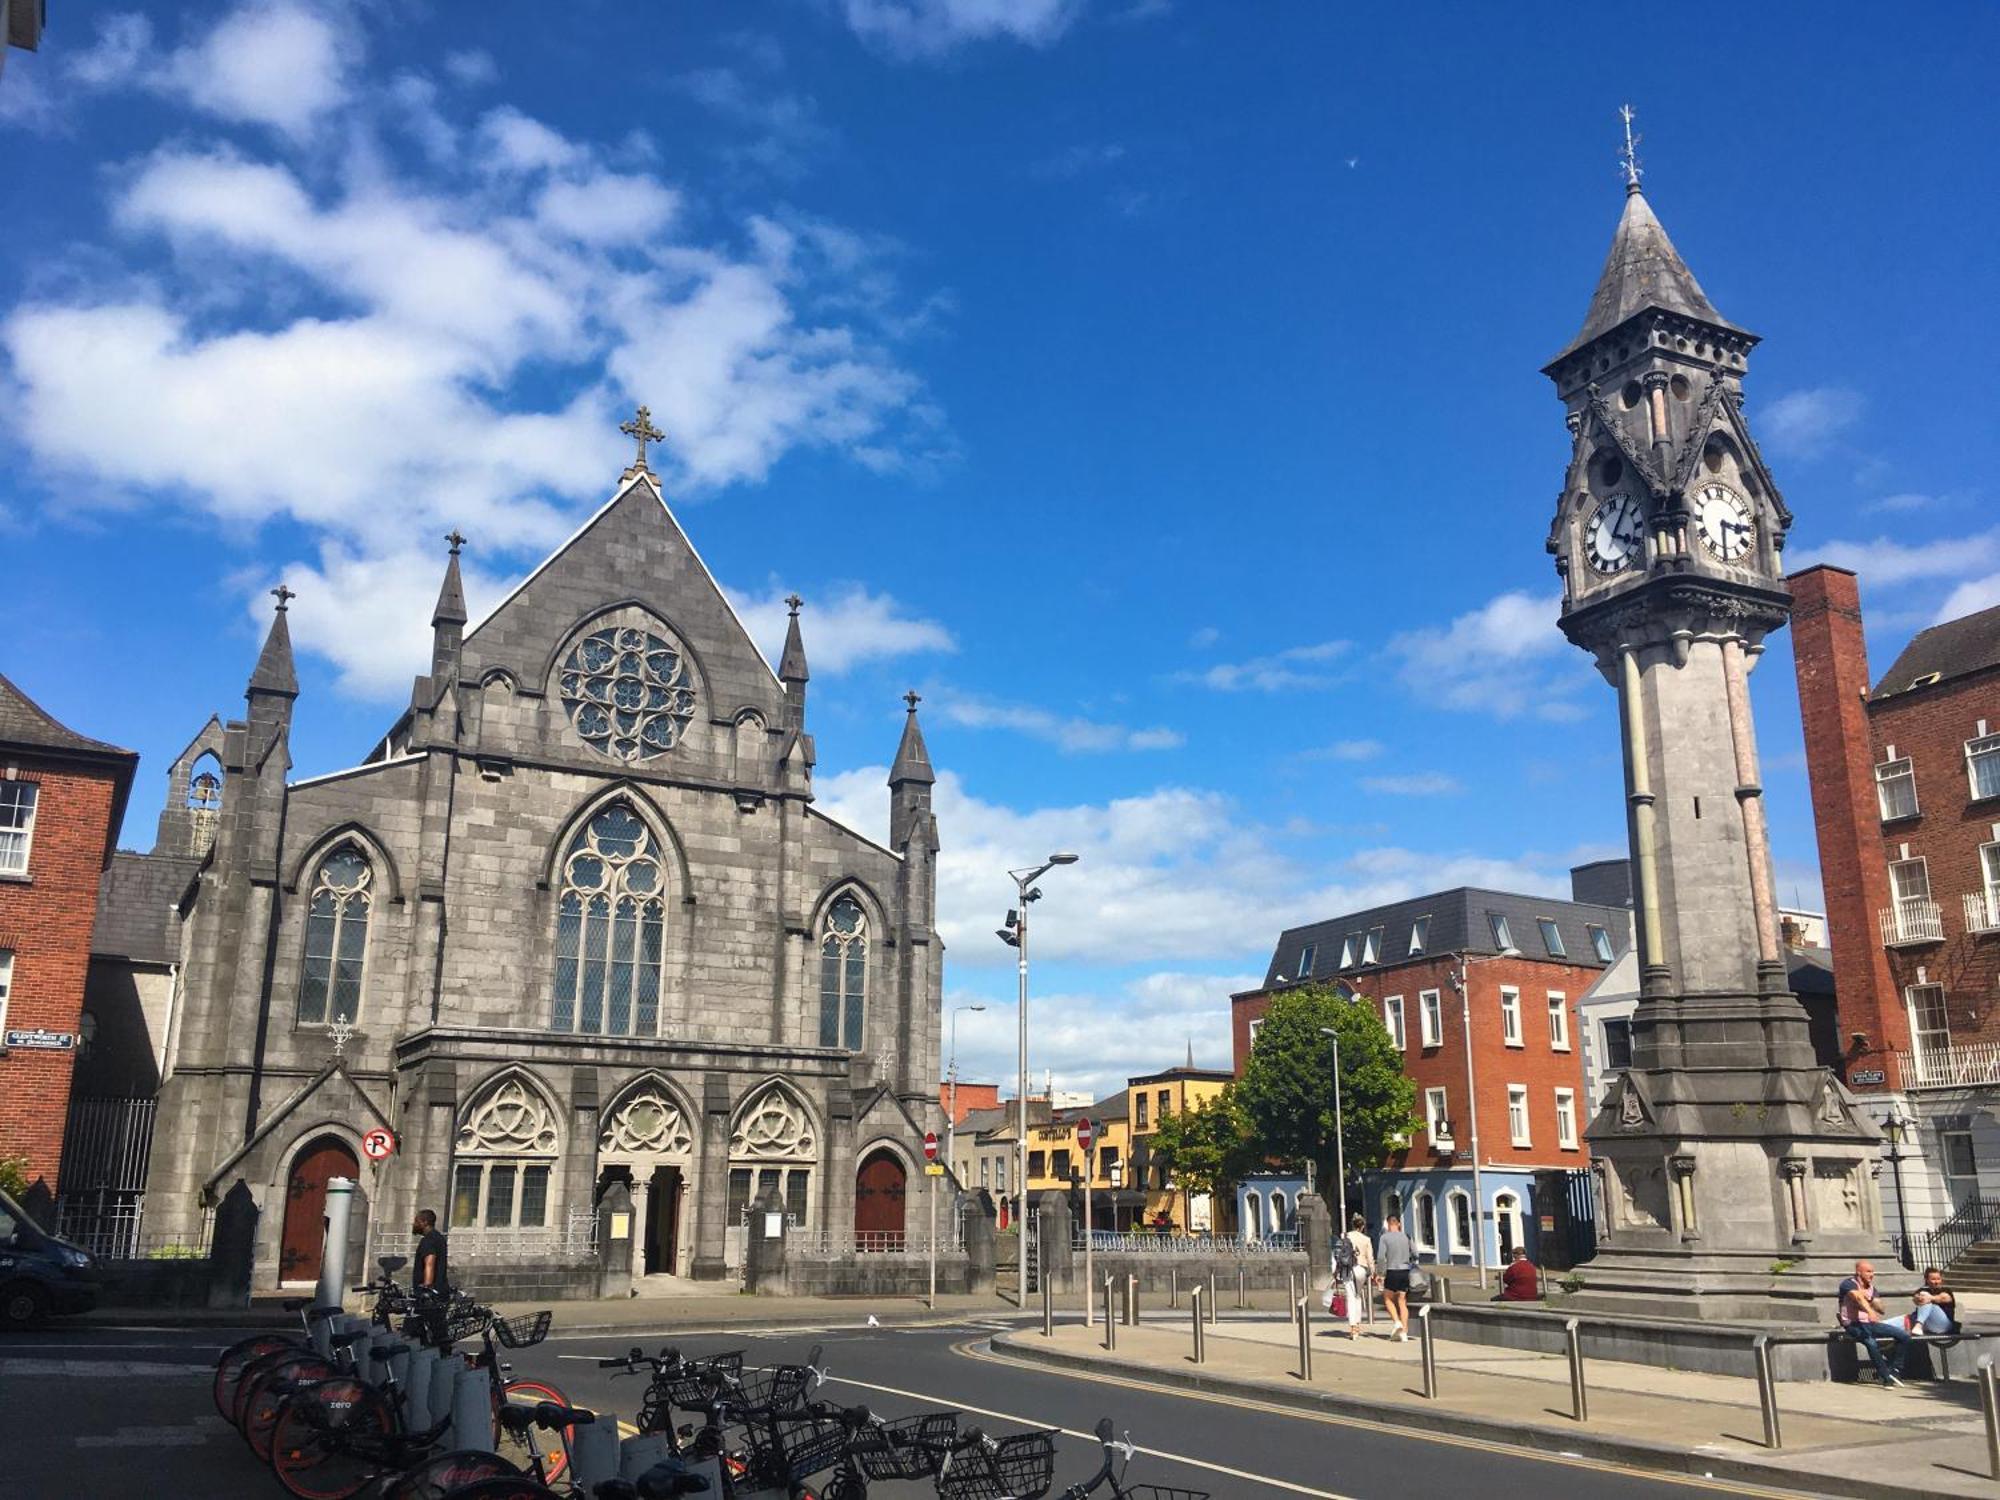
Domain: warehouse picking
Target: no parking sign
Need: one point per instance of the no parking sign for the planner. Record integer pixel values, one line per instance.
(378, 1144)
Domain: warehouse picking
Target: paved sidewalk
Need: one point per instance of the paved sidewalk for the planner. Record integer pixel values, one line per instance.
(1925, 1439)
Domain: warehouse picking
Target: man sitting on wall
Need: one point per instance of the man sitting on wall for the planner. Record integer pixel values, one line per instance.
(1867, 1321)
(1519, 1282)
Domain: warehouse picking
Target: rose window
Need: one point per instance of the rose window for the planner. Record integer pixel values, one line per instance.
(627, 693)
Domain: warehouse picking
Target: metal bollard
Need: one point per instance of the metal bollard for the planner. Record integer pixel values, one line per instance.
(1292, 1294)
(1767, 1394)
(1305, 1341)
(1173, 1286)
(1131, 1302)
(1048, 1307)
(1241, 1285)
(1430, 1358)
(1200, 1353)
(1210, 1304)
(1989, 1401)
(1110, 1318)
(1578, 1398)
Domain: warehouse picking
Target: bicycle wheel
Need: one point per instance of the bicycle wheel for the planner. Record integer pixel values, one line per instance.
(514, 1487)
(327, 1436)
(238, 1357)
(447, 1473)
(537, 1443)
(265, 1391)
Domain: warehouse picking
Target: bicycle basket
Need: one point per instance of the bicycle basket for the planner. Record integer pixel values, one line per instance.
(1162, 1492)
(519, 1333)
(786, 1450)
(907, 1448)
(689, 1386)
(780, 1388)
(1015, 1468)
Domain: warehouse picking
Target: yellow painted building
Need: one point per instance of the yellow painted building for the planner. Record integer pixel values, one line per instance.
(1149, 1100)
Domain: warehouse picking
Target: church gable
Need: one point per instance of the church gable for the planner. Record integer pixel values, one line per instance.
(620, 649)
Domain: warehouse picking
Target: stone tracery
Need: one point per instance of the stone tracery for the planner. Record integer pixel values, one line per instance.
(627, 693)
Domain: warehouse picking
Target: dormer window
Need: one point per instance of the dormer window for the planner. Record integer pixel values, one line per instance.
(1306, 960)
(1350, 947)
(1552, 938)
(1600, 940)
(1371, 946)
(1503, 935)
(1420, 935)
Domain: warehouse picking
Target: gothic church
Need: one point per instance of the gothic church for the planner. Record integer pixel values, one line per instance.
(574, 918)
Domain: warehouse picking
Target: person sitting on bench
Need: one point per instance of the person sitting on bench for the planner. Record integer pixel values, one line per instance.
(1936, 1310)
(1865, 1320)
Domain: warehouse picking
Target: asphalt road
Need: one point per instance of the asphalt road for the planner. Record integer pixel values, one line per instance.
(115, 1411)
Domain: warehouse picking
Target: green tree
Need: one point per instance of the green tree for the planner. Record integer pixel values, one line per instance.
(1209, 1146)
(1286, 1094)
(14, 1176)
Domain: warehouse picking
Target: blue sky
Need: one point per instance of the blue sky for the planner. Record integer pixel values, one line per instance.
(1151, 385)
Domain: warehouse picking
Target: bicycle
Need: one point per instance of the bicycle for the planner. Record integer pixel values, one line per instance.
(676, 1382)
(232, 1362)
(661, 1482)
(1113, 1472)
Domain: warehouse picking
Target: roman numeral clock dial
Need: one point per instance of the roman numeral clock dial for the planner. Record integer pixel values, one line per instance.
(1722, 519)
(1613, 538)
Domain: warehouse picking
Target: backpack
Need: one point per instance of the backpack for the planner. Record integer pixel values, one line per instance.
(1343, 1257)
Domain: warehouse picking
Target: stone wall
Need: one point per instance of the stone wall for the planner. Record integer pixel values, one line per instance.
(871, 1275)
(1157, 1273)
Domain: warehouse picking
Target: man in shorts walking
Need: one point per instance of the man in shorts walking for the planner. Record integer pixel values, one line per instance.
(1394, 1256)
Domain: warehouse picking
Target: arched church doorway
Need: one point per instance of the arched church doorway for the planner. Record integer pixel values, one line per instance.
(646, 1140)
(304, 1234)
(880, 1189)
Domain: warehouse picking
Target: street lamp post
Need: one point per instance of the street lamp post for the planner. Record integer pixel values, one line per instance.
(1339, 1144)
(951, 1109)
(1472, 1101)
(1898, 1128)
(1016, 934)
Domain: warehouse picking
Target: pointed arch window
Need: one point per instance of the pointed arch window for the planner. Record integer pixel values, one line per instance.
(843, 974)
(610, 929)
(343, 894)
(505, 1159)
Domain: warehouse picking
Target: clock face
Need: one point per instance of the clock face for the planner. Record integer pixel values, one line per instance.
(1722, 518)
(1613, 538)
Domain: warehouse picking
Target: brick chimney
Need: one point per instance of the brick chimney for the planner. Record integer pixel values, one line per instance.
(1832, 660)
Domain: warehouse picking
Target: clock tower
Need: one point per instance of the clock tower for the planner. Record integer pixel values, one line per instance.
(1733, 1171)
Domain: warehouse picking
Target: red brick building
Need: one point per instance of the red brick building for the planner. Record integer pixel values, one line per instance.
(62, 799)
(1906, 801)
(1525, 962)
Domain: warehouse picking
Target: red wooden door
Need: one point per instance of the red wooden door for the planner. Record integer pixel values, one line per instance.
(879, 1189)
(305, 1207)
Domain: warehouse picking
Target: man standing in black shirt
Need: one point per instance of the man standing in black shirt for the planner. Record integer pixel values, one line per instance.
(431, 1279)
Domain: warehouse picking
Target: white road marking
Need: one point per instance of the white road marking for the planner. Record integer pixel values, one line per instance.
(930, 1399)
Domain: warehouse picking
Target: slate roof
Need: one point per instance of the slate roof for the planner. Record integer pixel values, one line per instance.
(1643, 270)
(1458, 924)
(1956, 648)
(134, 901)
(25, 722)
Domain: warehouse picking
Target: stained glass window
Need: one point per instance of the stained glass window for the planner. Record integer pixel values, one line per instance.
(843, 975)
(610, 929)
(627, 692)
(336, 938)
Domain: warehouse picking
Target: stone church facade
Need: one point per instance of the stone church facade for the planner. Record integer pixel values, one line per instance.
(574, 919)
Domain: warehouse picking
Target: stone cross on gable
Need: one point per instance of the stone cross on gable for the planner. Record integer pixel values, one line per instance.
(642, 431)
(342, 1032)
(913, 698)
(455, 539)
(284, 596)
(793, 602)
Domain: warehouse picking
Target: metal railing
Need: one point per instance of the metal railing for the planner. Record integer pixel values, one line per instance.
(1913, 919)
(868, 1241)
(575, 1239)
(1982, 911)
(1951, 1066)
(1149, 1242)
(117, 1232)
(1972, 1221)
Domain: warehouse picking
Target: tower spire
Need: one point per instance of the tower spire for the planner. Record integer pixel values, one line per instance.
(451, 597)
(274, 673)
(913, 757)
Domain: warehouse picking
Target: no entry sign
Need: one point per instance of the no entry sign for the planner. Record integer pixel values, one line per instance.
(1085, 1133)
(930, 1145)
(378, 1144)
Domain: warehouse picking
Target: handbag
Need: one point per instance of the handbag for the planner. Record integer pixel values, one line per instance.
(1336, 1303)
(1420, 1280)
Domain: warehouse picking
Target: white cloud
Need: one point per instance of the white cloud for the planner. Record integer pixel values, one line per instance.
(377, 650)
(926, 29)
(124, 40)
(1294, 667)
(1903, 503)
(850, 626)
(275, 64)
(383, 352)
(1885, 562)
(1503, 658)
(1095, 1042)
(1414, 784)
(1969, 598)
(1071, 734)
(1804, 423)
(1172, 876)
(1205, 637)
(472, 67)
(780, 129)
(1345, 750)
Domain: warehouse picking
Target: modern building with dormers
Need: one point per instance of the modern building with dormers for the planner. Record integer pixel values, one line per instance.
(1525, 962)
(574, 919)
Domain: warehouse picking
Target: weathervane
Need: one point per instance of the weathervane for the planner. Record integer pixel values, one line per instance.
(642, 431)
(1629, 157)
(342, 1031)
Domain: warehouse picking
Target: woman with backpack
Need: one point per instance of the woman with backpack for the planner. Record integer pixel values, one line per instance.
(1354, 1272)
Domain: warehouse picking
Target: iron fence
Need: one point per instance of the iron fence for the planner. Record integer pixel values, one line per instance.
(573, 1240)
(1151, 1242)
(116, 1231)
